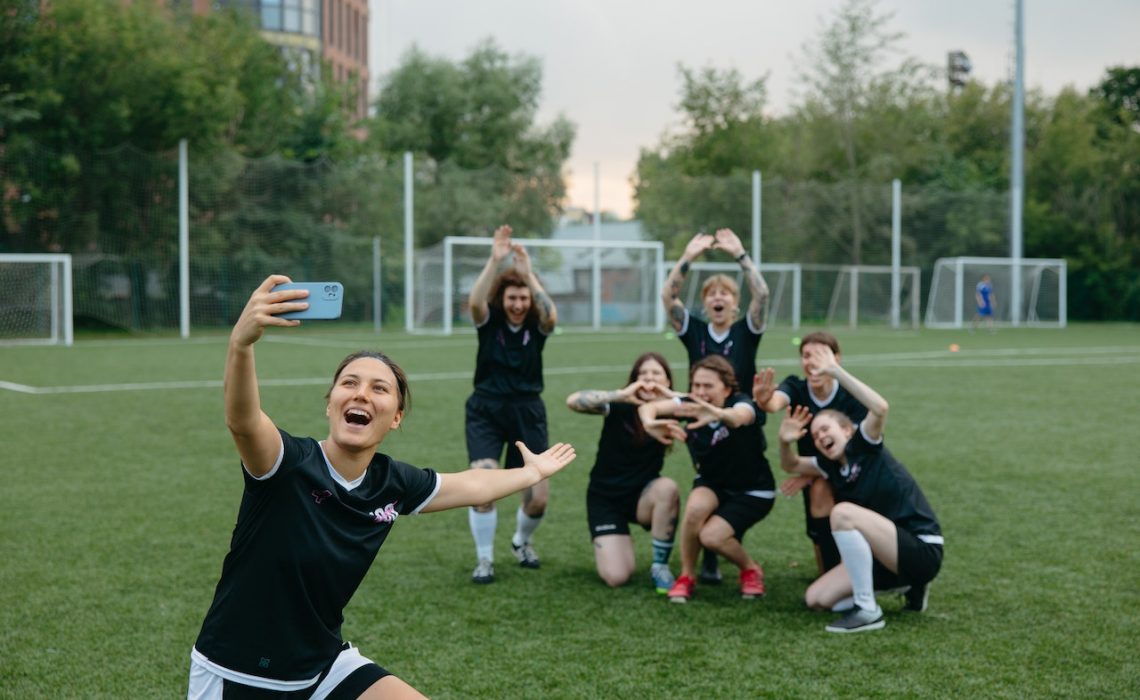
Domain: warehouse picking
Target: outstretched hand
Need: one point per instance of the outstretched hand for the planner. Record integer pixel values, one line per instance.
(699, 412)
(665, 430)
(501, 246)
(522, 259)
(794, 425)
(262, 308)
(763, 386)
(699, 244)
(729, 242)
(550, 462)
(821, 360)
(793, 485)
(643, 391)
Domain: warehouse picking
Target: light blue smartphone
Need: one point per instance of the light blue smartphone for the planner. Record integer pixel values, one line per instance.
(324, 299)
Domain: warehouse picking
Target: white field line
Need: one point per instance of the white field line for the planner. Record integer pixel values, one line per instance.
(1012, 357)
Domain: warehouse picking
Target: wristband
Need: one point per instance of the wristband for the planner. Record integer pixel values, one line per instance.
(742, 256)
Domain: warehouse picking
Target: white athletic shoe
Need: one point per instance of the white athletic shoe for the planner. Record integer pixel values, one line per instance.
(484, 572)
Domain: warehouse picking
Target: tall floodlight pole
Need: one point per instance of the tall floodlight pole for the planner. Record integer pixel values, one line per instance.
(183, 238)
(756, 217)
(596, 292)
(1017, 170)
(896, 249)
(409, 305)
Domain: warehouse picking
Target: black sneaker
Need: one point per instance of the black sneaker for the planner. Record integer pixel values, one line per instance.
(526, 555)
(710, 569)
(859, 620)
(916, 597)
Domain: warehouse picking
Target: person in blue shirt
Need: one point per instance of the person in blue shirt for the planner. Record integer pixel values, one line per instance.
(985, 300)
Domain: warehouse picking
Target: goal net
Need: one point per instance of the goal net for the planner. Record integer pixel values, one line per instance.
(952, 303)
(783, 280)
(854, 295)
(35, 299)
(601, 285)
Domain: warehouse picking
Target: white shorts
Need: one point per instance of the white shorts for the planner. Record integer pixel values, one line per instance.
(207, 678)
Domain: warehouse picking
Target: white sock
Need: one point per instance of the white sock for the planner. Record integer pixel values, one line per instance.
(483, 530)
(843, 605)
(856, 554)
(526, 526)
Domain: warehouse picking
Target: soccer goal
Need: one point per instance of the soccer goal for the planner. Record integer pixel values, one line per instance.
(862, 294)
(603, 285)
(783, 280)
(952, 303)
(35, 299)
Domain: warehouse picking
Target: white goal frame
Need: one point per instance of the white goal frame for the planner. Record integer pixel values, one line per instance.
(59, 296)
(1032, 271)
(847, 282)
(446, 289)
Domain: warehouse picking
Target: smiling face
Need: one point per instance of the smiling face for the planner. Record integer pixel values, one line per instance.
(707, 385)
(364, 403)
(651, 370)
(516, 304)
(831, 435)
(720, 304)
(817, 380)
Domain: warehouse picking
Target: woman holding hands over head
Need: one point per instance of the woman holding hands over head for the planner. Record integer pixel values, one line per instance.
(313, 516)
(886, 532)
(734, 488)
(626, 483)
(513, 316)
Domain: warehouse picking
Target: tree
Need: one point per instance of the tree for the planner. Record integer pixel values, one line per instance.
(853, 108)
(698, 177)
(482, 158)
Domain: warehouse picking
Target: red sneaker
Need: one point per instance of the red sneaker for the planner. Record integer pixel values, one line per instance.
(752, 583)
(682, 589)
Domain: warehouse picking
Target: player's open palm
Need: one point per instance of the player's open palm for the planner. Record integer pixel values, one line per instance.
(550, 462)
(763, 386)
(795, 423)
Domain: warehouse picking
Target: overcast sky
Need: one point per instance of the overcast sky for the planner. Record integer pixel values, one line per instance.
(610, 66)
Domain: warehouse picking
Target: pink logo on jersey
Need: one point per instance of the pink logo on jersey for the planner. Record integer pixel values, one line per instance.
(319, 496)
(526, 337)
(387, 514)
(720, 434)
(850, 472)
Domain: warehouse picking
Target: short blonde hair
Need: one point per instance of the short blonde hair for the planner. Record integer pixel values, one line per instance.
(721, 281)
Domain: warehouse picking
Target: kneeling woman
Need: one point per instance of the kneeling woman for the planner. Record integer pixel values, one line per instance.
(886, 532)
(734, 488)
(626, 483)
(313, 516)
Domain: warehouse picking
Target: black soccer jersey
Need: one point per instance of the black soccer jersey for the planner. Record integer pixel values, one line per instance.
(874, 479)
(509, 362)
(732, 459)
(738, 347)
(799, 394)
(300, 549)
(622, 464)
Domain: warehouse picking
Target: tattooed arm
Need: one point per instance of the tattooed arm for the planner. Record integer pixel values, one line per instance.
(728, 241)
(479, 298)
(595, 401)
(543, 304)
(670, 293)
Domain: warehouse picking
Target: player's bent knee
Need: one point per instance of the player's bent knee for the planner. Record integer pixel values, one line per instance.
(614, 577)
(484, 464)
(843, 516)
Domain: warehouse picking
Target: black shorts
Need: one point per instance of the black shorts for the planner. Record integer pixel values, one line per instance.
(205, 683)
(741, 509)
(493, 423)
(919, 563)
(611, 514)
